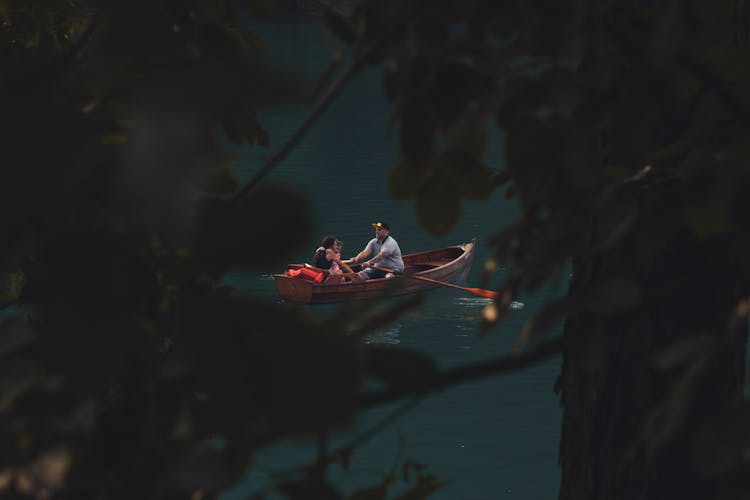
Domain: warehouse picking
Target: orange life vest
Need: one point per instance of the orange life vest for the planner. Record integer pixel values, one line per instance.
(308, 273)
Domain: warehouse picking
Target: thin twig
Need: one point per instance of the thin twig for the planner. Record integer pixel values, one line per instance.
(380, 425)
(276, 158)
(343, 452)
(443, 380)
(465, 374)
(324, 103)
(717, 85)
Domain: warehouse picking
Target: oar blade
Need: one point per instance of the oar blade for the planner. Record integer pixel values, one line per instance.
(480, 292)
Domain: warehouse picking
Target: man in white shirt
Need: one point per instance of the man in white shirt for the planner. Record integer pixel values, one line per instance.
(386, 251)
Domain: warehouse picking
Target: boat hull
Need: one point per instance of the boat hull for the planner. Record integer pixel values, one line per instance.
(450, 265)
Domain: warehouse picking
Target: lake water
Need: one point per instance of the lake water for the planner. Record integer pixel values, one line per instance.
(497, 438)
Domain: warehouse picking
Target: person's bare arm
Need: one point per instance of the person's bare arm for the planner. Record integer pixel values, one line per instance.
(335, 258)
(361, 255)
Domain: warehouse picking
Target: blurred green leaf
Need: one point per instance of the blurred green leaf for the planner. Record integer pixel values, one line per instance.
(438, 204)
(417, 131)
(474, 180)
(406, 178)
(339, 24)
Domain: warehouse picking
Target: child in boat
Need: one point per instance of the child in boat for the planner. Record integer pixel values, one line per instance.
(337, 245)
(340, 264)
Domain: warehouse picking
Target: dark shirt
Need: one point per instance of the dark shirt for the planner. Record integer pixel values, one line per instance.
(320, 261)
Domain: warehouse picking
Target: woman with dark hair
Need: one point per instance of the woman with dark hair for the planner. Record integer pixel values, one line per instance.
(321, 257)
(328, 256)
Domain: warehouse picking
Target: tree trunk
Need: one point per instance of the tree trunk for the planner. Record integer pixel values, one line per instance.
(630, 414)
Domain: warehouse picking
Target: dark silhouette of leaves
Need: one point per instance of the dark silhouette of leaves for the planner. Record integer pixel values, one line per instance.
(131, 371)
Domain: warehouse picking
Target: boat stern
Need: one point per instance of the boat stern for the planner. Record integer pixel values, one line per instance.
(294, 289)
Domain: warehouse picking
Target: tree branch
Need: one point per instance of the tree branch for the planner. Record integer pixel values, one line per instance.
(379, 426)
(324, 103)
(441, 381)
(335, 90)
(464, 374)
(717, 85)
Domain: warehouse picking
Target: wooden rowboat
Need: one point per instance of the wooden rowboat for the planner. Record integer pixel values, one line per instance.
(450, 264)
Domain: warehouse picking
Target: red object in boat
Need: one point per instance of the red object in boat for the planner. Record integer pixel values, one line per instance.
(308, 273)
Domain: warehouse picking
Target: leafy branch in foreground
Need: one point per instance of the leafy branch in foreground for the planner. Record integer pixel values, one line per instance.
(625, 143)
(129, 370)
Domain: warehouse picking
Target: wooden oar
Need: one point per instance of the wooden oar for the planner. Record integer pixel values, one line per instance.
(479, 292)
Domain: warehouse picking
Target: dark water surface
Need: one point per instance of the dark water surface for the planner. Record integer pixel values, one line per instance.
(496, 438)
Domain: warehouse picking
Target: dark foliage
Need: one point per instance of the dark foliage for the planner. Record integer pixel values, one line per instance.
(626, 131)
(129, 371)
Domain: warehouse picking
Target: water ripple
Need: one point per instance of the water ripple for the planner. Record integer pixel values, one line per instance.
(388, 336)
(479, 302)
